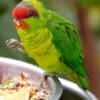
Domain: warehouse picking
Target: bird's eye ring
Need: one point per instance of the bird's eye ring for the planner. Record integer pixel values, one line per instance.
(29, 14)
(32, 14)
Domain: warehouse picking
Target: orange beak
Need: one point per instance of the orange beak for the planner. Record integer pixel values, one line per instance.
(20, 24)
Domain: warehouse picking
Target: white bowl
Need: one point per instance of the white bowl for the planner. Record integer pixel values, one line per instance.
(71, 90)
(11, 68)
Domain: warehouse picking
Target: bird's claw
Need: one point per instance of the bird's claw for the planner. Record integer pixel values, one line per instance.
(14, 44)
(45, 78)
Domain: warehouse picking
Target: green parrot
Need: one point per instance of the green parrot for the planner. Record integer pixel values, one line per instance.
(51, 40)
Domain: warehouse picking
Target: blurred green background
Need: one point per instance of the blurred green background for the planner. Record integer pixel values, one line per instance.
(85, 14)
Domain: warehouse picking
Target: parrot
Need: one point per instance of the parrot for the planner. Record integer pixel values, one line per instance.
(51, 40)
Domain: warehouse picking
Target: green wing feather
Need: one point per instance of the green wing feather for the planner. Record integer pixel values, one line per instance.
(66, 41)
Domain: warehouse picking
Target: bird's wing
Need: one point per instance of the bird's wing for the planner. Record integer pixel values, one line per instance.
(66, 41)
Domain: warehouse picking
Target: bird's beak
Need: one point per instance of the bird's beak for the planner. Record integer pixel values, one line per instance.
(20, 24)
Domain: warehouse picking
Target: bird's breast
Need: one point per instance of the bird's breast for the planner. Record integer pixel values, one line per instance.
(39, 45)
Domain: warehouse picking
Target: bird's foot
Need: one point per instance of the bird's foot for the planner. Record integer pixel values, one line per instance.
(14, 44)
(45, 78)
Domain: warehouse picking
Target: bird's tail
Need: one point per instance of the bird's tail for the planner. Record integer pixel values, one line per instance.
(87, 88)
(84, 83)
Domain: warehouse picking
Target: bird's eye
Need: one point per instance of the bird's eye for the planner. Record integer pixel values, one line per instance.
(32, 14)
(29, 14)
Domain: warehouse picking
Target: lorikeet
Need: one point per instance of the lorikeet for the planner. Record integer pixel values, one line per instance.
(51, 40)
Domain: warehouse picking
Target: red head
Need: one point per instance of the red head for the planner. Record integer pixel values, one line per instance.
(21, 11)
(24, 10)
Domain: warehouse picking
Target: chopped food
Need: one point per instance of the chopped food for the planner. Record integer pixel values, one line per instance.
(22, 88)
